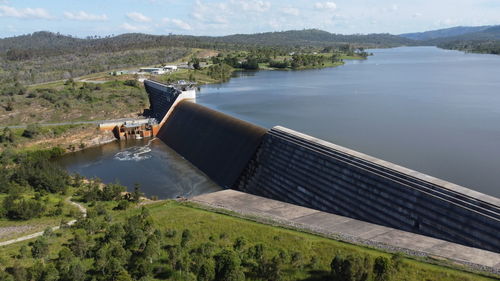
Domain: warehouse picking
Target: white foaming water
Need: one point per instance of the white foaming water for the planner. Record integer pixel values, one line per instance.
(136, 153)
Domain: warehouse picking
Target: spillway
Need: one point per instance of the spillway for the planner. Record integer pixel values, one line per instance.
(285, 165)
(216, 143)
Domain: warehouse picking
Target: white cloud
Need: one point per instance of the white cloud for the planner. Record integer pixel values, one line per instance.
(394, 7)
(416, 15)
(325, 6)
(138, 17)
(213, 13)
(26, 13)
(253, 5)
(83, 16)
(181, 24)
(134, 28)
(178, 23)
(291, 11)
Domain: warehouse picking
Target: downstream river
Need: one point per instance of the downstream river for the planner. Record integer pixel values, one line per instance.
(431, 110)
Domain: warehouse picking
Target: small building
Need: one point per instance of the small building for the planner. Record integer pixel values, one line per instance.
(132, 129)
(184, 65)
(152, 70)
(170, 68)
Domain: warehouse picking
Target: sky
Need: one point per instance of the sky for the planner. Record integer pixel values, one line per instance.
(222, 17)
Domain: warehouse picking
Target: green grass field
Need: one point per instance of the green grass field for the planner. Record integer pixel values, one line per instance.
(223, 229)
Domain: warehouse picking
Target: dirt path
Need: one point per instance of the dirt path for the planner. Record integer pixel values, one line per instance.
(82, 209)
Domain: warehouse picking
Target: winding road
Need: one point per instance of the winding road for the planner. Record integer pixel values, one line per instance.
(82, 209)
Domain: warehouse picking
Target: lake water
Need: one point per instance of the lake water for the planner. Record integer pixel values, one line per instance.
(431, 110)
(428, 109)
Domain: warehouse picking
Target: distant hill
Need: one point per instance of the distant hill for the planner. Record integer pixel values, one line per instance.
(49, 44)
(314, 37)
(46, 56)
(490, 33)
(444, 33)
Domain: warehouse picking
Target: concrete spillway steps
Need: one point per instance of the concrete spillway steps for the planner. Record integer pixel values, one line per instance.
(299, 169)
(349, 230)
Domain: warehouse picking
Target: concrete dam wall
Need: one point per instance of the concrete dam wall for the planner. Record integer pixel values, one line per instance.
(299, 169)
(216, 143)
(289, 166)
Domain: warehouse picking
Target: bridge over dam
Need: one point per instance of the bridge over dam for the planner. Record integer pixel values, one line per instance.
(291, 167)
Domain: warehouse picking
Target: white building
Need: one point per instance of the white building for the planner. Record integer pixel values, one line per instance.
(170, 68)
(152, 70)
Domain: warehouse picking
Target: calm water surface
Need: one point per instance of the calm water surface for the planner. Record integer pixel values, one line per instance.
(428, 109)
(432, 110)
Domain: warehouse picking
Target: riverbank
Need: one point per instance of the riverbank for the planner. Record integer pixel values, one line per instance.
(70, 138)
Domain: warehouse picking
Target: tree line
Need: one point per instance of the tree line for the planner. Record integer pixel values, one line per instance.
(100, 249)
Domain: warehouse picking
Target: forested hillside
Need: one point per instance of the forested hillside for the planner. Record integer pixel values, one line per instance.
(312, 37)
(444, 33)
(45, 56)
(486, 41)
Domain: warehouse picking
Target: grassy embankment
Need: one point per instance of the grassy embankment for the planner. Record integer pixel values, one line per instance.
(223, 229)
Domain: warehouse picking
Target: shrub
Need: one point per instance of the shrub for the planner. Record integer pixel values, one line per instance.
(17, 208)
(131, 83)
(31, 131)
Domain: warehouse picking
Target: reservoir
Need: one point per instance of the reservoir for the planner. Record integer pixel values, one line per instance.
(431, 110)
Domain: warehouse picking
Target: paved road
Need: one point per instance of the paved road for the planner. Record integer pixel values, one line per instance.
(73, 123)
(83, 210)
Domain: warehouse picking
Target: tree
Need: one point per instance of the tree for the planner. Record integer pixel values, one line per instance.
(24, 252)
(112, 191)
(123, 276)
(18, 208)
(351, 268)
(136, 194)
(7, 136)
(40, 248)
(63, 261)
(76, 271)
(50, 273)
(228, 266)
(79, 245)
(31, 131)
(381, 268)
(206, 271)
(195, 62)
(240, 243)
(186, 237)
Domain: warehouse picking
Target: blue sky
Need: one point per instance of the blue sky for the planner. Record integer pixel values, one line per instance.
(222, 17)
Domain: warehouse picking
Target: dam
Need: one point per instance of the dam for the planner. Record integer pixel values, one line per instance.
(291, 167)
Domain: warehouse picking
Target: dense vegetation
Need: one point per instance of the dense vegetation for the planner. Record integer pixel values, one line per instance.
(482, 47)
(70, 101)
(175, 241)
(26, 179)
(166, 240)
(477, 39)
(45, 56)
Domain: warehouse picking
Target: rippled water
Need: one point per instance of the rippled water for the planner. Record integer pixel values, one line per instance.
(157, 168)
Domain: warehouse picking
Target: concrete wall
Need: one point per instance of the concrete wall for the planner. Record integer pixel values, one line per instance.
(218, 144)
(300, 169)
(161, 98)
(289, 166)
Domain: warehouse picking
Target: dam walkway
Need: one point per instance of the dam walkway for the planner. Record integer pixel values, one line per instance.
(349, 230)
